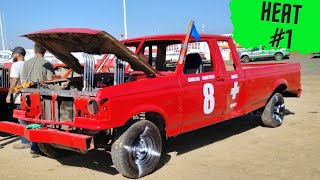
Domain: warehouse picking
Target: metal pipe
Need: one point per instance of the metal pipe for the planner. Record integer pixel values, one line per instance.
(88, 73)
(4, 78)
(90, 76)
(1, 29)
(92, 71)
(122, 72)
(86, 64)
(5, 32)
(119, 72)
(7, 78)
(84, 72)
(115, 78)
(125, 19)
(1, 76)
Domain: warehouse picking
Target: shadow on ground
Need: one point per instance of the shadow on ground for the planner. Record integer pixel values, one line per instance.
(101, 160)
(6, 139)
(95, 160)
(208, 135)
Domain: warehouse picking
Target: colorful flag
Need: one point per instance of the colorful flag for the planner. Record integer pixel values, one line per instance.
(194, 33)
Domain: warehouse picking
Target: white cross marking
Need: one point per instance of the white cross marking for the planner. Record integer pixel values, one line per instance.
(235, 90)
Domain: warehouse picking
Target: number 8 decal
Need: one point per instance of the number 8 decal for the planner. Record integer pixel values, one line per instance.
(208, 103)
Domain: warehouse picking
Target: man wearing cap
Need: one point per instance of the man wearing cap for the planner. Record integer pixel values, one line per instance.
(18, 54)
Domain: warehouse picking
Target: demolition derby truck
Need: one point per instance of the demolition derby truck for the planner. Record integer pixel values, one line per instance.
(132, 111)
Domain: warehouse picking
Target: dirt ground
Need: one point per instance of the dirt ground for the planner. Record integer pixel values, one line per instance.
(235, 149)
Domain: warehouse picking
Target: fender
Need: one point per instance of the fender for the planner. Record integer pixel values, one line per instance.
(278, 83)
(144, 108)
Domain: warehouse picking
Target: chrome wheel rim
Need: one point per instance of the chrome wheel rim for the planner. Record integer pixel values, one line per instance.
(278, 57)
(278, 110)
(142, 150)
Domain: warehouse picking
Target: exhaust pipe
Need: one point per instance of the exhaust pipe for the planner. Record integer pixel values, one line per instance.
(119, 73)
(88, 73)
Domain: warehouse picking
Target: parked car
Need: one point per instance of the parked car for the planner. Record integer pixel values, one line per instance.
(133, 113)
(316, 54)
(260, 53)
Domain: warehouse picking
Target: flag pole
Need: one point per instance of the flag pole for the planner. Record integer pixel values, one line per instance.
(5, 32)
(1, 29)
(185, 44)
(125, 19)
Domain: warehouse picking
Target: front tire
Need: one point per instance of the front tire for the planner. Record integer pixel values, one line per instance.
(137, 151)
(273, 113)
(245, 59)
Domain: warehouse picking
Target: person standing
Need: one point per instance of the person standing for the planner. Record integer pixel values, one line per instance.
(37, 69)
(18, 54)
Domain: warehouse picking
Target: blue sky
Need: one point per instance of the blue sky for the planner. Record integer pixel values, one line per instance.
(144, 17)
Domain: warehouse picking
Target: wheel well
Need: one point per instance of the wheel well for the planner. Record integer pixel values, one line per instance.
(243, 56)
(278, 53)
(154, 117)
(158, 120)
(279, 89)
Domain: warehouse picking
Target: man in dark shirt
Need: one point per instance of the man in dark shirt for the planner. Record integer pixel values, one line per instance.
(35, 70)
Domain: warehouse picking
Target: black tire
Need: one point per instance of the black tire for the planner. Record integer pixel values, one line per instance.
(278, 56)
(274, 111)
(245, 59)
(51, 151)
(137, 151)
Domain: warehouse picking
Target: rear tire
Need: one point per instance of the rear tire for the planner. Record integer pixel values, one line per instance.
(51, 151)
(278, 56)
(273, 113)
(137, 151)
(245, 59)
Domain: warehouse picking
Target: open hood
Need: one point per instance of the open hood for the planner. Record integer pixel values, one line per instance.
(63, 41)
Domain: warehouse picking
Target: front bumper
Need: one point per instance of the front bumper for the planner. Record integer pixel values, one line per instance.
(50, 136)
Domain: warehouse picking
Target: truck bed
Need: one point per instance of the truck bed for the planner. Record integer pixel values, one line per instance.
(263, 78)
(273, 67)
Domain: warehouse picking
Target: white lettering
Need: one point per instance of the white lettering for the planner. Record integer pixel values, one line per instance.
(233, 105)
(193, 79)
(208, 77)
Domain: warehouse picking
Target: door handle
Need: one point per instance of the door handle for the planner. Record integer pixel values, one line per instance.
(219, 78)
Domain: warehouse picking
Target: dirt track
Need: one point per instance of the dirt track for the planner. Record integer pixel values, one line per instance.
(235, 149)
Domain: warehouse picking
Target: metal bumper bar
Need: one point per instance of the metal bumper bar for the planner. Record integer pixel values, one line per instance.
(50, 136)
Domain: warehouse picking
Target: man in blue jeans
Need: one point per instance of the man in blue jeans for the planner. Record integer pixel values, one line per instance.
(35, 70)
(18, 55)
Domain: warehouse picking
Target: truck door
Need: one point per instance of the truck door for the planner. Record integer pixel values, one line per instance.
(233, 81)
(255, 52)
(203, 97)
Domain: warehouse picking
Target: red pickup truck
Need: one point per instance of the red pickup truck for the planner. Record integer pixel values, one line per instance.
(133, 112)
